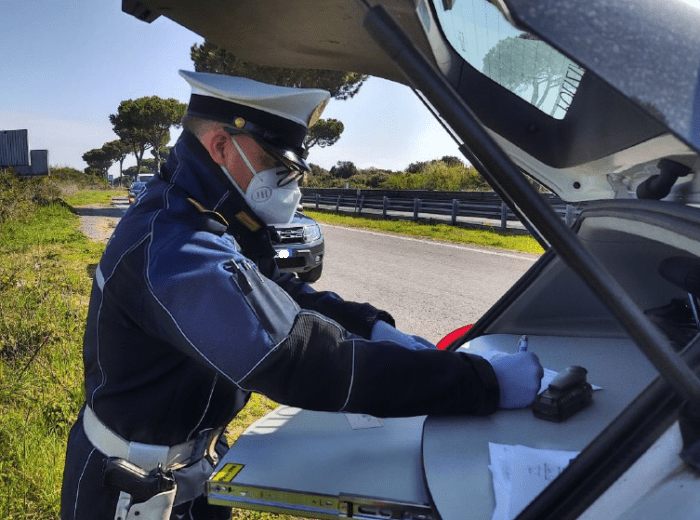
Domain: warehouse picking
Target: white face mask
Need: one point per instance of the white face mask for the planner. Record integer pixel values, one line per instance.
(272, 203)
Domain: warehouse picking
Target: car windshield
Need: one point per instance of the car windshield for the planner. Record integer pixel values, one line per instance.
(514, 59)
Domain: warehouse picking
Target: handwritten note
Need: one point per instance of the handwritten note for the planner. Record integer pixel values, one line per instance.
(363, 421)
(520, 473)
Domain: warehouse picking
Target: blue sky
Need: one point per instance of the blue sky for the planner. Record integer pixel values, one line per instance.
(66, 65)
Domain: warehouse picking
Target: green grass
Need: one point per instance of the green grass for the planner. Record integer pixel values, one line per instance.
(87, 197)
(442, 232)
(44, 289)
(52, 224)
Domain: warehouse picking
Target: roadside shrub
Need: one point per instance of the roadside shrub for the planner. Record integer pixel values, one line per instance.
(438, 176)
(69, 181)
(450, 173)
(368, 179)
(451, 160)
(416, 167)
(344, 169)
(316, 178)
(319, 177)
(19, 197)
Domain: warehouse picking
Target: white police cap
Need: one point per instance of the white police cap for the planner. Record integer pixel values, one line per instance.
(278, 118)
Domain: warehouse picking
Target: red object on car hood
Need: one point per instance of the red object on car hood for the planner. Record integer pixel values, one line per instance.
(447, 340)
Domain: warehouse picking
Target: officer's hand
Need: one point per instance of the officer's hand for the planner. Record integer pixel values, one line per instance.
(381, 330)
(519, 377)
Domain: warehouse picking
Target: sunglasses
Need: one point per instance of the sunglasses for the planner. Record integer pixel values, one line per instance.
(296, 167)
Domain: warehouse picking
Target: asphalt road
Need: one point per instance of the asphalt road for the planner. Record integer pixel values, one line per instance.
(431, 288)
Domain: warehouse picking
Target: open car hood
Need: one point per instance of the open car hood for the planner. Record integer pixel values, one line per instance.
(622, 87)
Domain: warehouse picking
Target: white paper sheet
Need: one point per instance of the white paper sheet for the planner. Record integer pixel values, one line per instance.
(363, 421)
(520, 473)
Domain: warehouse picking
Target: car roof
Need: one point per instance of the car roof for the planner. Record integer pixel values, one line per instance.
(638, 100)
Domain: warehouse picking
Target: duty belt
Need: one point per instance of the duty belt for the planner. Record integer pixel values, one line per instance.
(148, 456)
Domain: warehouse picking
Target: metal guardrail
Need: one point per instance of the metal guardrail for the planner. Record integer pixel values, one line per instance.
(454, 208)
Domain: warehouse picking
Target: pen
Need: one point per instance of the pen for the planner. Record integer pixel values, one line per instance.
(522, 344)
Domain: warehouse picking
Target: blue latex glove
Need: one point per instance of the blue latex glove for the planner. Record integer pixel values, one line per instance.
(519, 377)
(381, 330)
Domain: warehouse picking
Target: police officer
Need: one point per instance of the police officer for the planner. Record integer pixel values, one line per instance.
(189, 315)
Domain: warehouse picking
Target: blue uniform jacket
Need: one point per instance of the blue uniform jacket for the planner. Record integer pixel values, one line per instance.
(189, 314)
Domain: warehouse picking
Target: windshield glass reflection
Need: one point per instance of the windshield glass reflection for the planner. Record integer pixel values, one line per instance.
(514, 59)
